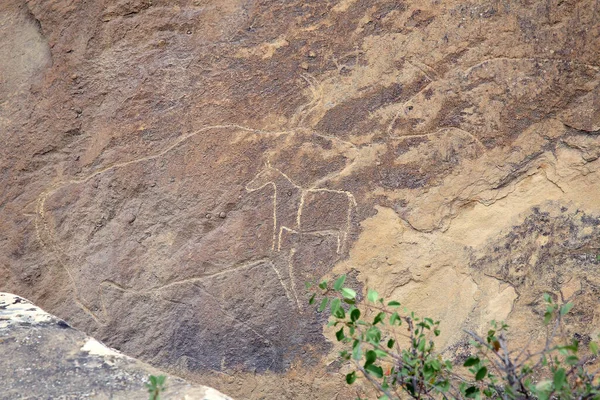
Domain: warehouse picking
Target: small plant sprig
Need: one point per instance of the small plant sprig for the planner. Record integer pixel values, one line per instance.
(155, 386)
(394, 350)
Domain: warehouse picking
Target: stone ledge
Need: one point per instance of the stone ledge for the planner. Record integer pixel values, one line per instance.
(44, 358)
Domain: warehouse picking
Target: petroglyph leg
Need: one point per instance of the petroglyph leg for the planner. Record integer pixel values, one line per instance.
(291, 274)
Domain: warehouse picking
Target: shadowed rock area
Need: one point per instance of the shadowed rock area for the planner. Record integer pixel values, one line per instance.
(173, 172)
(44, 358)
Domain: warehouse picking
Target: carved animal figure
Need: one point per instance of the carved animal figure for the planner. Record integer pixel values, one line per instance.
(300, 210)
(302, 213)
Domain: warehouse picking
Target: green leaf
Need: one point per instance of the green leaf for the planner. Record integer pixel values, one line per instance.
(324, 303)
(323, 285)
(565, 308)
(378, 318)
(160, 380)
(373, 335)
(572, 360)
(380, 353)
(547, 298)
(443, 386)
(370, 358)
(390, 343)
(547, 317)
(560, 378)
(436, 365)
(356, 353)
(436, 332)
(471, 361)
(385, 385)
(375, 370)
(570, 347)
(351, 378)
(339, 282)
(354, 314)
(421, 346)
(395, 318)
(308, 285)
(544, 386)
(472, 392)
(335, 304)
(348, 293)
(311, 301)
(481, 373)
(394, 303)
(152, 380)
(340, 334)
(372, 296)
(594, 348)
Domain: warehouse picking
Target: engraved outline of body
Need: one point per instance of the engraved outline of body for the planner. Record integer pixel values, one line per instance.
(45, 232)
(46, 236)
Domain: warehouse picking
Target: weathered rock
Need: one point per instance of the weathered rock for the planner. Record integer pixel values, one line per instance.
(45, 358)
(429, 147)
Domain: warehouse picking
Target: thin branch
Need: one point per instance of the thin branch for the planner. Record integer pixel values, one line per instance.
(373, 381)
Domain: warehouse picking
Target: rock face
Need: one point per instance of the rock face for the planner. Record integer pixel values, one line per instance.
(174, 171)
(44, 358)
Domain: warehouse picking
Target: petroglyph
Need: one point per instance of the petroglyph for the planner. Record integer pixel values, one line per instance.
(299, 216)
(443, 133)
(47, 237)
(306, 218)
(527, 78)
(138, 177)
(45, 232)
(304, 111)
(195, 281)
(271, 176)
(531, 59)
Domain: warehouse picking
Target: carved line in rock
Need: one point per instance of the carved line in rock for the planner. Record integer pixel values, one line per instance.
(155, 291)
(47, 238)
(428, 71)
(268, 177)
(305, 110)
(43, 228)
(440, 131)
(467, 72)
(431, 80)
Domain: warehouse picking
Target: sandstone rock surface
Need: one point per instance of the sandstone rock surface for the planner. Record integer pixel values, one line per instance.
(172, 172)
(44, 358)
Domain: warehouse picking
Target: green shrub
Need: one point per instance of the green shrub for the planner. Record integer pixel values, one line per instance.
(394, 350)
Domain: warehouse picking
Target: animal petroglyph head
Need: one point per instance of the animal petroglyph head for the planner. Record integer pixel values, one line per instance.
(268, 175)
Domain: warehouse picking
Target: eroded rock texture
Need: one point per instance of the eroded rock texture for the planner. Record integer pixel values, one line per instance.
(173, 171)
(45, 358)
